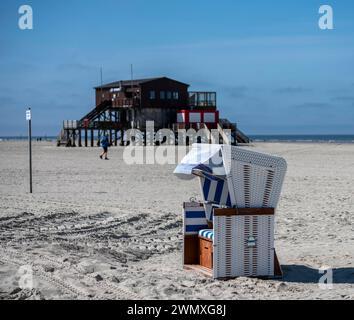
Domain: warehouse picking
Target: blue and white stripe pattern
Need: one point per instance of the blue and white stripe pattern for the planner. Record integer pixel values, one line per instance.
(214, 189)
(215, 193)
(194, 219)
(207, 233)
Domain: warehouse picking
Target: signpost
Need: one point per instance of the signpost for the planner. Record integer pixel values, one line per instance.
(29, 119)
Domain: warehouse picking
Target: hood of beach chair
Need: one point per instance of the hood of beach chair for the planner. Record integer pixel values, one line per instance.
(247, 178)
(202, 160)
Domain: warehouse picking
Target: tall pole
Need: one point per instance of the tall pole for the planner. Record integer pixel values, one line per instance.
(29, 118)
(132, 84)
(132, 79)
(101, 84)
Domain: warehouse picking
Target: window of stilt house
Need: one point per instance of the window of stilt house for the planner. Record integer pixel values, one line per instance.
(152, 95)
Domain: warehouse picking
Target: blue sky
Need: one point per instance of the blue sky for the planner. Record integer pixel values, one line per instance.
(274, 70)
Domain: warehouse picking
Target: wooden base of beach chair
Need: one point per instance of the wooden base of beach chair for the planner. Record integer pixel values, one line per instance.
(198, 251)
(278, 272)
(193, 250)
(196, 267)
(198, 256)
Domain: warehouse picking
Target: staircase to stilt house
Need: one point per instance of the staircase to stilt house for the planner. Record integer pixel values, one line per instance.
(104, 106)
(241, 137)
(65, 140)
(236, 134)
(62, 139)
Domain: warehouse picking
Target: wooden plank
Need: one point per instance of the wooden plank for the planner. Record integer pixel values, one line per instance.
(121, 138)
(86, 137)
(205, 253)
(191, 249)
(278, 273)
(92, 138)
(80, 142)
(189, 204)
(110, 137)
(68, 138)
(74, 138)
(244, 212)
(206, 239)
(195, 267)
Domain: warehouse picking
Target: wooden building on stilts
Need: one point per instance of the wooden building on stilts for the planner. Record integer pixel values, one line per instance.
(129, 104)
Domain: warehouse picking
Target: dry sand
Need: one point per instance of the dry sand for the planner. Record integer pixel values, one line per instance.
(103, 229)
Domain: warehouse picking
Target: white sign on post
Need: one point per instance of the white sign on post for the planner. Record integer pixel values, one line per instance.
(28, 115)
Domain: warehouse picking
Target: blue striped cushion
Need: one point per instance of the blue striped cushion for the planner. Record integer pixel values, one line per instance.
(207, 233)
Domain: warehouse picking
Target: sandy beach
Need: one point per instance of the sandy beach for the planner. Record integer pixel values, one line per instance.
(106, 230)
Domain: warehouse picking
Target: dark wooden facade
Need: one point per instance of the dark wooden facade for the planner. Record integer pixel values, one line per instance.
(146, 93)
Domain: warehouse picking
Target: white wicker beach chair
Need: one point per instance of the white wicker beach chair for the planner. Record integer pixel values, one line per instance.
(243, 197)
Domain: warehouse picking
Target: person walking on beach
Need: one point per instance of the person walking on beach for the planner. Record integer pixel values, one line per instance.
(105, 145)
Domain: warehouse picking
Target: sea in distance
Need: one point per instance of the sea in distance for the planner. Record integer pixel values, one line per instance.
(316, 138)
(324, 138)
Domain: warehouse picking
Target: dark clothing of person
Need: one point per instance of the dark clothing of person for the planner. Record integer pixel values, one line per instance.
(105, 143)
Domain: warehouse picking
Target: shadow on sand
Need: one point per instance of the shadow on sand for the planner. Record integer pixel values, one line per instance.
(305, 274)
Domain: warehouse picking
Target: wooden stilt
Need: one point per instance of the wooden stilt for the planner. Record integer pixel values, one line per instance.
(68, 138)
(122, 137)
(110, 130)
(92, 137)
(86, 138)
(80, 145)
(74, 138)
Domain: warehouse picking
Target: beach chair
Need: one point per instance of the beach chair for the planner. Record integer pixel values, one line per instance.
(240, 239)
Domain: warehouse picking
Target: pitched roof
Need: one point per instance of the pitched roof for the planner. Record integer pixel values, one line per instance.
(136, 82)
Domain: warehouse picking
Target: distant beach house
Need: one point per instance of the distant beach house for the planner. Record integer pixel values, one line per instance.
(128, 104)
